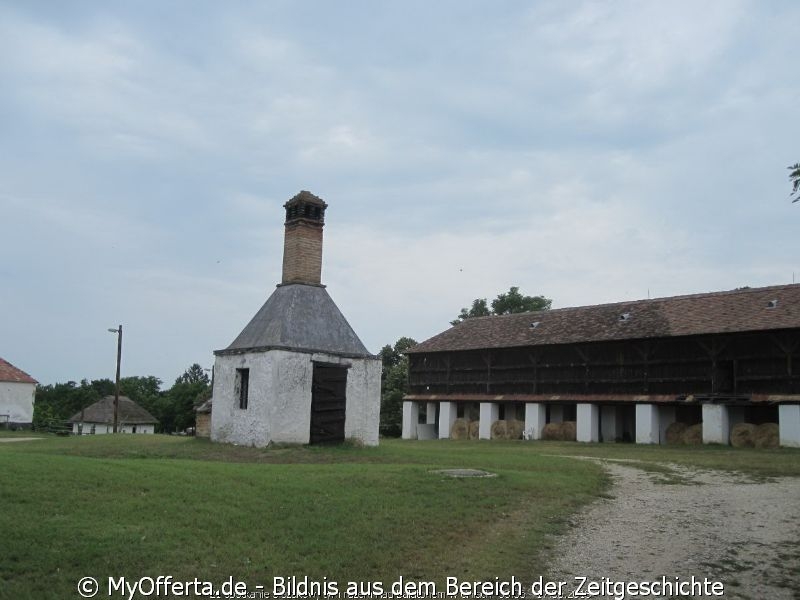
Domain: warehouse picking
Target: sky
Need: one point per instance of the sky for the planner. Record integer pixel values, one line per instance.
(589, 152)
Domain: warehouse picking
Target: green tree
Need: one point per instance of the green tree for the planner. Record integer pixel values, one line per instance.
(506, 303)
(176, 408)
(394, 385)
(794, 177)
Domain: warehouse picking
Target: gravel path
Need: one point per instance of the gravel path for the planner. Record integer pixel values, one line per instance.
(725, 527)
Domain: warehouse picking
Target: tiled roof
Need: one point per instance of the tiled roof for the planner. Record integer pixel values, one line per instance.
(750, 309)
(302, 318)
(102, 411)
(9, 372)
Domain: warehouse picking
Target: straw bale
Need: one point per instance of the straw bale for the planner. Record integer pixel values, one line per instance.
(459, 430)
(474, 430)
(742, 435)
(552, 431)
(569, 431)
(693, 436)
(767, 435)
(675, 431)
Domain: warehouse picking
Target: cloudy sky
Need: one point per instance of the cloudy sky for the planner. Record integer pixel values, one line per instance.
(587, 151)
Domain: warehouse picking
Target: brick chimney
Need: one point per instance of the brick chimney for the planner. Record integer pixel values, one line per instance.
(302, 242)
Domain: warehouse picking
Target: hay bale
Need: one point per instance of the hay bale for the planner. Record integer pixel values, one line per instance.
(693, 435)
(767, 435)
(515, 429)
(551, 431)
(742, 435)
(499, 431)
(459, 430)
(569, 431)
(474, 430)
(507, 430)
(674, 433)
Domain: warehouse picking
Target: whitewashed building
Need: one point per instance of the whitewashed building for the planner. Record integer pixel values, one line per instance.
(17, 393)
(297, 373)
(98, 418)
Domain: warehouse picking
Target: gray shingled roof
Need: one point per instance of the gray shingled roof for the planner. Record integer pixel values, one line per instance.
(102, 411)
(699, 314)
(299, 317)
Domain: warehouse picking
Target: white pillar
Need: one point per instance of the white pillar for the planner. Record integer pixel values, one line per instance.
(556, 413)
(789, 425)
(646, 424)
(610, 423)
(430, 413)
(489, 414)
(716, 424)
(447, 416)
(666, 417)
(535, 420)
(588, 423)
(410, 420)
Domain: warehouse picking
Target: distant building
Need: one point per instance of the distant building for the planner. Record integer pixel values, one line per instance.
(623, 371)
(98, 418)
(297, 373)
(17, 394)
(203, 419)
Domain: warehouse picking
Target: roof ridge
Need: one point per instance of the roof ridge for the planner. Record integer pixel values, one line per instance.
(744, 290)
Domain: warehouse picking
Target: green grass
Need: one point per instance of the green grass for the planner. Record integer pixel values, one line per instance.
(150, 504)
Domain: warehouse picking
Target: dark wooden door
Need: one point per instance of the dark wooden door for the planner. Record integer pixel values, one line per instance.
(328, 402)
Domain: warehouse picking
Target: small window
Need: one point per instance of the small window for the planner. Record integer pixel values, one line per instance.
(242, 386)
(772, 304)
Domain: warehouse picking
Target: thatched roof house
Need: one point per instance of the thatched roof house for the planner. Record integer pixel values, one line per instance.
(99, 417)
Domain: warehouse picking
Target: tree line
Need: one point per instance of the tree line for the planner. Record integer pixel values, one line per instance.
(174, 407)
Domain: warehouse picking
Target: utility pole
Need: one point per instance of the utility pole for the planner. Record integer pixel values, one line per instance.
(116, 389)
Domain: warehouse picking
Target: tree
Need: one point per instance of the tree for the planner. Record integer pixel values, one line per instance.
(794, 177)
(507, 303)
(394, 385)
(194, 374)
(176, 408)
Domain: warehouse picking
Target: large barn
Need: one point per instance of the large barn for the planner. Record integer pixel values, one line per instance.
(297, 373)
(622, 371)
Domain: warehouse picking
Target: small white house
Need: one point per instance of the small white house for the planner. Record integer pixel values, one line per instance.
(17, 394)
(98, 418)
(297, 373)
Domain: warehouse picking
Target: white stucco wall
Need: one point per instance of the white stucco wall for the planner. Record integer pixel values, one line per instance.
(647, 429)
(279, 399)
(535, 420)
(789, 425)
(716, 424)
(102, 428)
(16, 402)
(363, 400)
(588, 420)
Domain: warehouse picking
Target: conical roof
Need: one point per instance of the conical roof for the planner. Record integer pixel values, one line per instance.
(302, 318)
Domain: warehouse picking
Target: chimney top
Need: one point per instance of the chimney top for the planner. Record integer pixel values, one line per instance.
(307, 207)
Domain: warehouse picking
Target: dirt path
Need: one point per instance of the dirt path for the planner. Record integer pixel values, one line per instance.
(725, 527)
(18, 439)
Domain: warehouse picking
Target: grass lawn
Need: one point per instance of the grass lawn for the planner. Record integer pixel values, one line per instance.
(151, 505)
